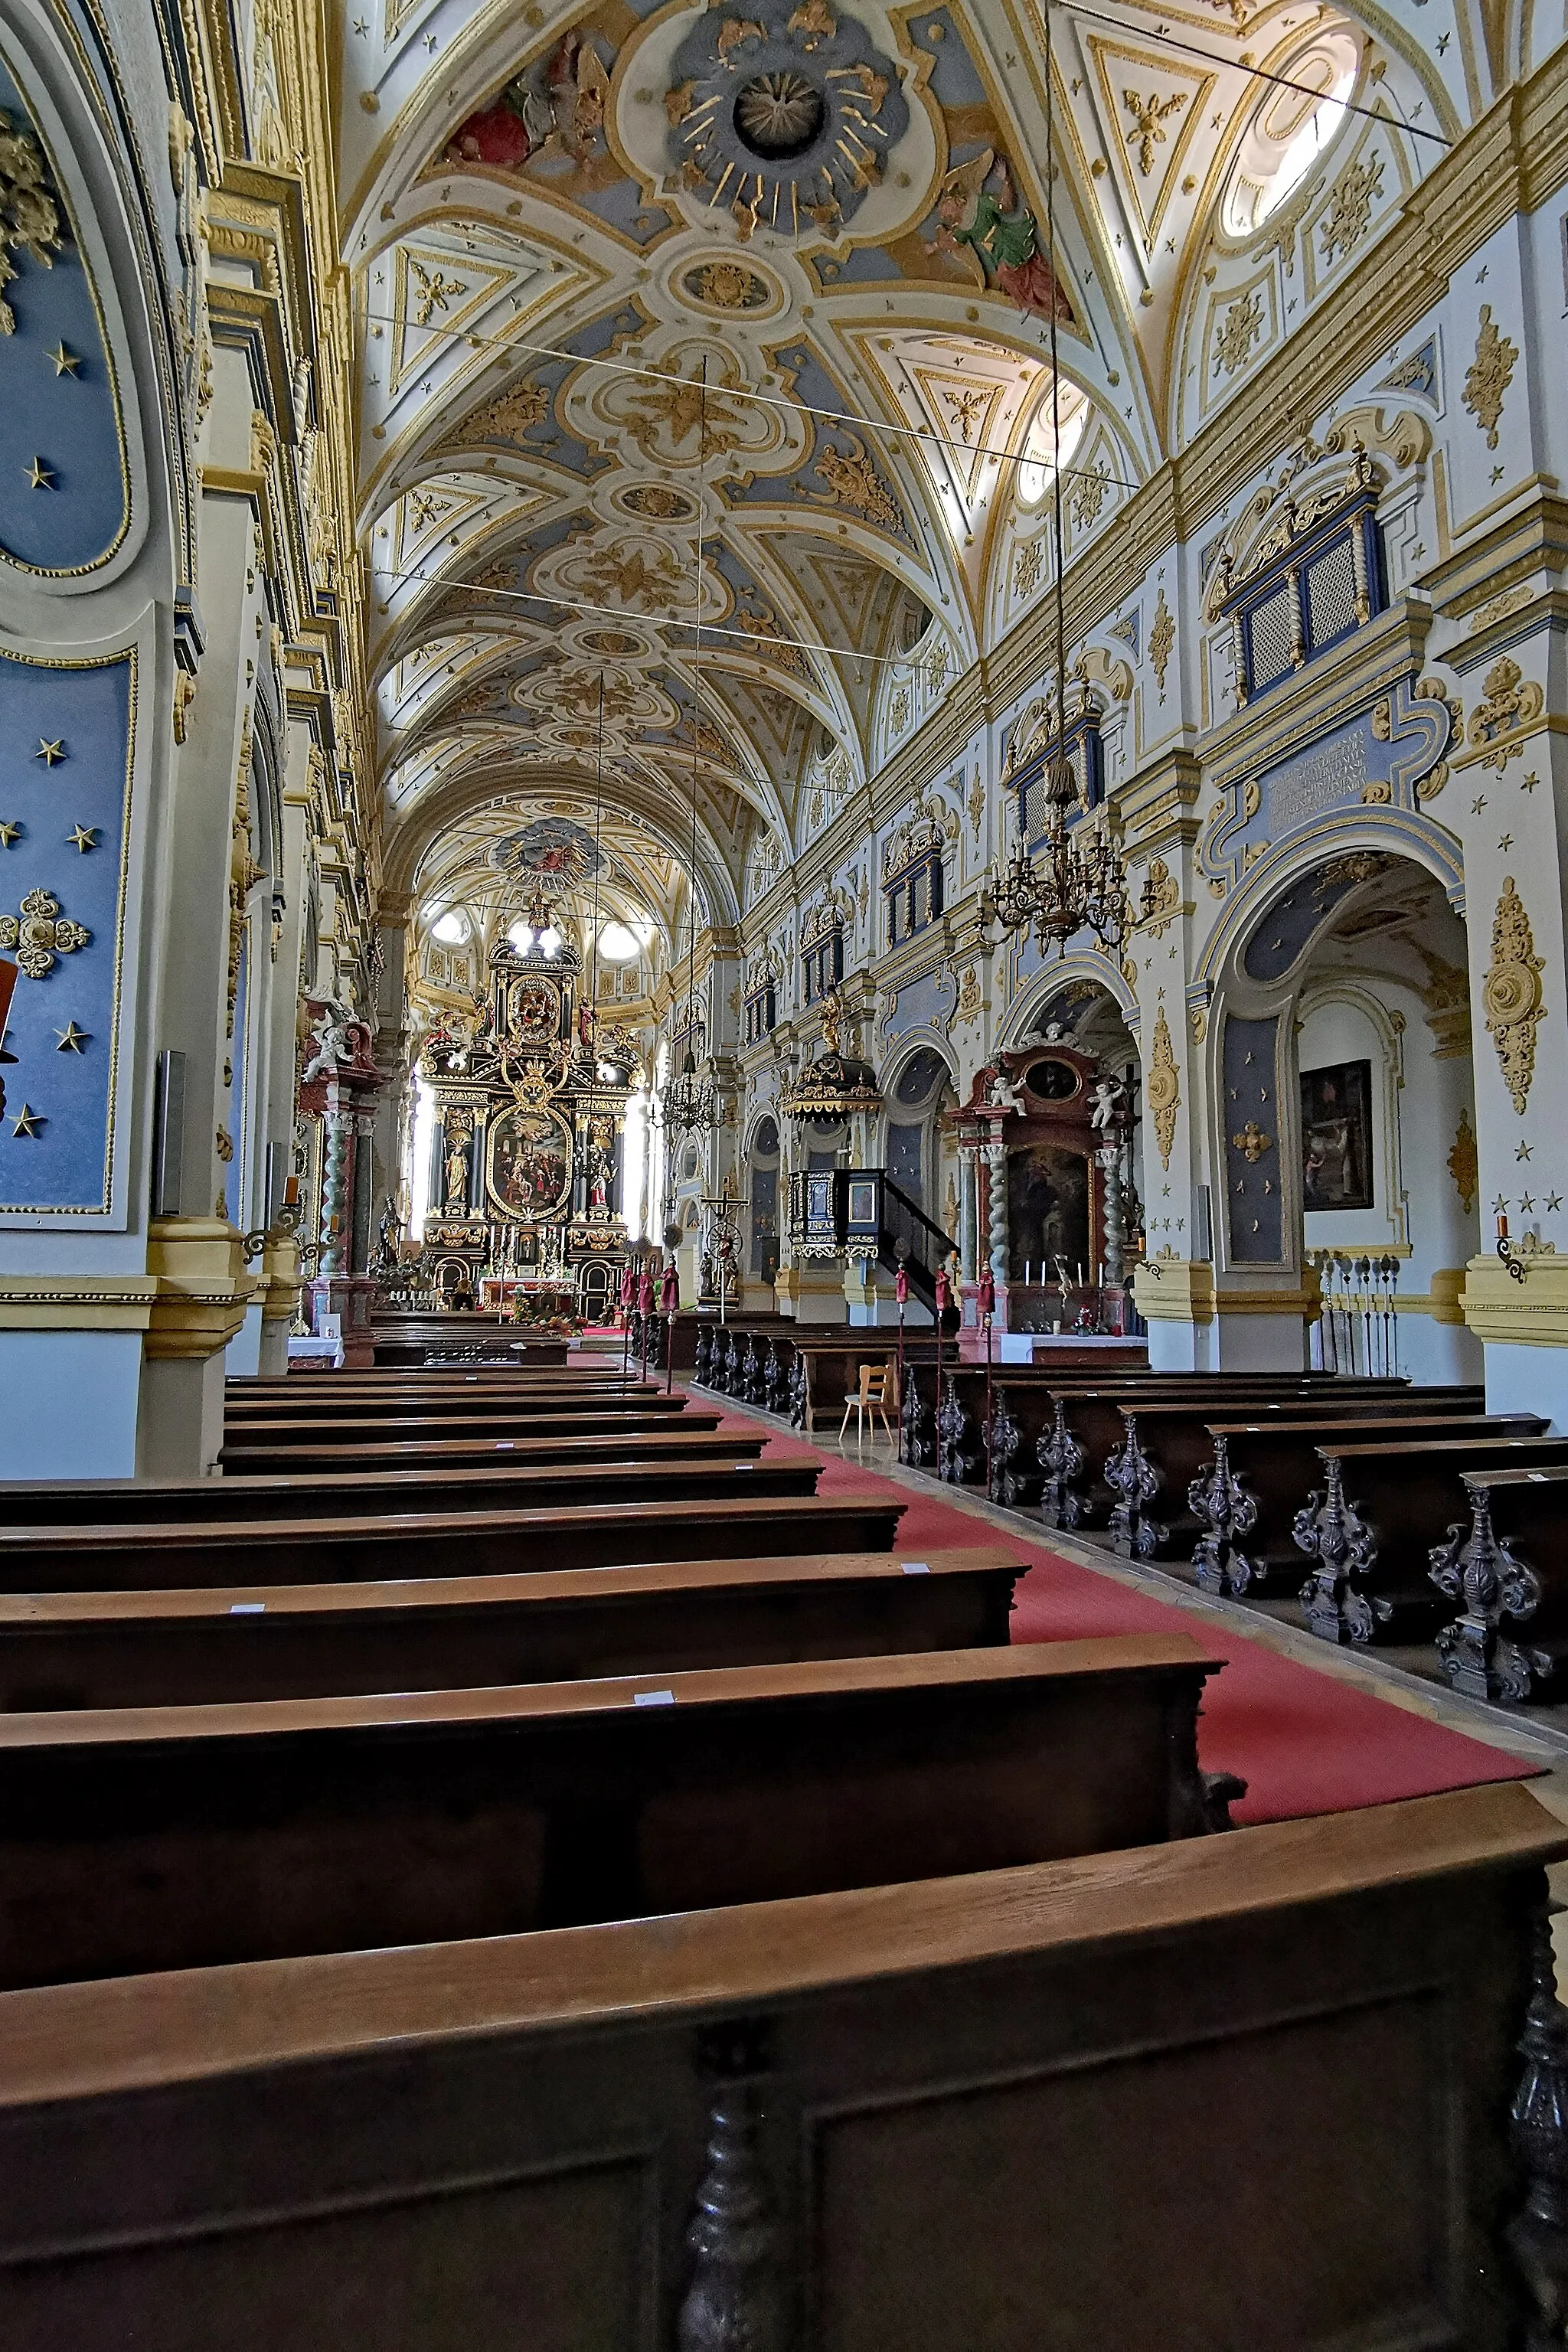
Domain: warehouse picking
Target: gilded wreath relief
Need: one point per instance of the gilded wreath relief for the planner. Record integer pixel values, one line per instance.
(1512, 995)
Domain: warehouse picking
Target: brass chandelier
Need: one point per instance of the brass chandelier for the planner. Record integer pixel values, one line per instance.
(1075, 884)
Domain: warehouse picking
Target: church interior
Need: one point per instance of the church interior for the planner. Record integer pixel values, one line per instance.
(783, 1001)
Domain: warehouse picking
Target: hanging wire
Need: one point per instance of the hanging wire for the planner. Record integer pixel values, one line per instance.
(696, 690)
(598, 861)
(652, 620)
(968, 451)
(1170, 40)
(1055, 391)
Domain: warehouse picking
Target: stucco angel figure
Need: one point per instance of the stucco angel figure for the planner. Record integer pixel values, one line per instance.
(999, 232)
(1108, 1093)
(1006, 1094)
(336, 1039)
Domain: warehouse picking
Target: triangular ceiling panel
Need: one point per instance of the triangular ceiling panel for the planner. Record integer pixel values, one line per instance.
(1152, 109)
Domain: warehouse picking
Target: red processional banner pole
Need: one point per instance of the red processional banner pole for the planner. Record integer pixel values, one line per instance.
(985, 1299)
(902, 1293)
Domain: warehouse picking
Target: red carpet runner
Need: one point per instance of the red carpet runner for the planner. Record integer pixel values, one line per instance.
(1304, 1741)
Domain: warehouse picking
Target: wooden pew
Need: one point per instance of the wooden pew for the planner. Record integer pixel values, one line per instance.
(150, 1838)
(1502, 1565)
(149, 1556)
(802, 1371)
(169, 1500)
(334, 1454)
(498, 1421)
(747, 1357)
(1245, 1496)
(1090, 1434)
(382, 1392)
(1031, 1424)
(1372, 1527)
(463, 1405)
(1165, 1447)
(323, 1641)
(1220, 2095)
(412, 1339)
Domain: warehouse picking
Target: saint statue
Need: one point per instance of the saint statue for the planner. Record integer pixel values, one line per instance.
(459, 1146)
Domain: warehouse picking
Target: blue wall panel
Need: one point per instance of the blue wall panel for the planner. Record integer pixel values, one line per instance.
(64, 497)
(64, 806)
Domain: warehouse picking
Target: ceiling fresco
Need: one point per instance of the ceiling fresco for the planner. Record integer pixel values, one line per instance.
(706, 399)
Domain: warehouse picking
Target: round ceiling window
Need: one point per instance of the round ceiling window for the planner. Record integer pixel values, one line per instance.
(779, 115)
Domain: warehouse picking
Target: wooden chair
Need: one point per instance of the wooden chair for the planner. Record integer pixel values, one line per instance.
(873, 1396)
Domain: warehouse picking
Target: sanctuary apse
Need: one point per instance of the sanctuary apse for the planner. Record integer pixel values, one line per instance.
(696, 488)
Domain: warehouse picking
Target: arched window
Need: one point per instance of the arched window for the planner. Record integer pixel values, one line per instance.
(1290, 129)
(1040, 452)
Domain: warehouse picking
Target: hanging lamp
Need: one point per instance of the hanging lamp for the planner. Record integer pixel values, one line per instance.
(1077, 881)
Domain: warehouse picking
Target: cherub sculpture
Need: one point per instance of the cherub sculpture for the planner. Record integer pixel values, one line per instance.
(1108, 1094)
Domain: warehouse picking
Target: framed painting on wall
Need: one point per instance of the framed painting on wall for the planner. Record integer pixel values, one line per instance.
(1336, 1137)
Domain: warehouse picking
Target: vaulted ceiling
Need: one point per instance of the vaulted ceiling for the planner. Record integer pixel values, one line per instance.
(706, 401)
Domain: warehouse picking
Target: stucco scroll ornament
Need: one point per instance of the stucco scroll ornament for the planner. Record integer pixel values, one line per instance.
(1488, 375)
(41, 934)
(1511, 994)
(1162, 900)
(1512, 704)
(1162, 1088)
(29, 218)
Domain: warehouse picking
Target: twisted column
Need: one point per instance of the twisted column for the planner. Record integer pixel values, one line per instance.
(996, 1169)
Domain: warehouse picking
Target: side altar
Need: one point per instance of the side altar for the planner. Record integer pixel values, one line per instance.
(528, 1143)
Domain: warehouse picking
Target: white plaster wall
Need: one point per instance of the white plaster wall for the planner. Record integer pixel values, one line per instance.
(1415, 1121)
(71, 1403)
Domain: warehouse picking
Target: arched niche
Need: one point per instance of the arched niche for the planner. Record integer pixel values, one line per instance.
(1341, 1089)
(918, 1091)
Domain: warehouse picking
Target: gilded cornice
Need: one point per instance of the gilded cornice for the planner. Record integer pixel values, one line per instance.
(1532, 536)
(1156, 809)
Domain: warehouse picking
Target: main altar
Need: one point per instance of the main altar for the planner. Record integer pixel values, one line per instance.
(528, 1144)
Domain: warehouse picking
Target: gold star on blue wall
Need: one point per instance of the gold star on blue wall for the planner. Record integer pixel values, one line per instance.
(83, 836)
(72, 1039)
(49, 752)
(40, 476)
(29, 1122)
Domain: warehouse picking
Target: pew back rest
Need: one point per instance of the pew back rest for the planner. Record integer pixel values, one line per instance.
(956, 2106)
(175, 1837)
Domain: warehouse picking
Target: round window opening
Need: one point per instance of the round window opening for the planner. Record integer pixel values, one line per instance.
(1052, 1081)
(767, 1142)
(688, 1165)
(1290, 130)
(779, 115)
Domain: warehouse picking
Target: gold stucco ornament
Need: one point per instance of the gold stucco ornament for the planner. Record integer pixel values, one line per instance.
(1511, 994)
(1162, 1088)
